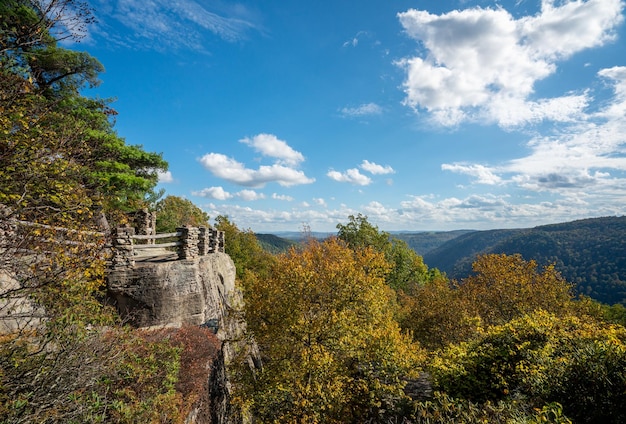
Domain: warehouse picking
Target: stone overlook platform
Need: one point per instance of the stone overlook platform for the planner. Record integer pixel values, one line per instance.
(130, 250)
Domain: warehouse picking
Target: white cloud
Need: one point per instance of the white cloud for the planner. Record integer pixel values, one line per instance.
(354, 41)
(366, 109)
(165, 177)
(352, 176)
(163, 24)
(270, 219)
(571, 26)
(235, 172)
(484, 211)
(319, 201)
(270, 145)
(488, 211)
(376, 169)
(380, 212)
(217, 193)
(482, 64)
(476, 210)
(586, 156)
(277, 196)
(250, 195)
(429, 212)
(482, 174)
(617, 77)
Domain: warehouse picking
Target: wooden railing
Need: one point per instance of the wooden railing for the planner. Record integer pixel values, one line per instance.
(152, 241)
(191, 242)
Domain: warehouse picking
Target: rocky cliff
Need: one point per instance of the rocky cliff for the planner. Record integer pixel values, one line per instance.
(200, 291)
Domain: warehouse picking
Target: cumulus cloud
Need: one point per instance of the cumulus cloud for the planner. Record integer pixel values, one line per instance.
(589, 155)
(282, 172)
(217, 193)
(270, 145)
(482, 174)
(277, 196)
(376, 169)
(319, 201)
(165, 177)
(273, 219)
(352, 176)
(428, 212)
(250, 195)
(482, 64)
(615, 76)
(487, 211)
(366, 109)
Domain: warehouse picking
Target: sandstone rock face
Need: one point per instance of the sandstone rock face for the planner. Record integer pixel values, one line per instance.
(17, 311)
(194, 291)
(199, 291)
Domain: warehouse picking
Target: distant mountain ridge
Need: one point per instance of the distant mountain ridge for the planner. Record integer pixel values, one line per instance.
(590, 253)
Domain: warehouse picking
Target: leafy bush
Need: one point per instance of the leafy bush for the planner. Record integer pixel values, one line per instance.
(443, 409)
(543, 358)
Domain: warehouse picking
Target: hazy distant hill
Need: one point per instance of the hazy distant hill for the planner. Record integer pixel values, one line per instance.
(298, 235)
(590, 253)
(273, 243)
(424, 242)
(455, 257)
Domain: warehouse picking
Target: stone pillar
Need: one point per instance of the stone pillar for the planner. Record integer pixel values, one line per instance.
(189, 239)
(216, 241)
(204, 235)
(145, 224)
(212, 240)
(123, 259)
(221, 242)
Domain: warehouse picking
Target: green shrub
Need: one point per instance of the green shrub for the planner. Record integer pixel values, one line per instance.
(542, 358)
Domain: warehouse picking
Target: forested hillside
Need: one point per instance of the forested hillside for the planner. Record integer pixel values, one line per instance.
(273, 243)
(424, 242)
(589, 253)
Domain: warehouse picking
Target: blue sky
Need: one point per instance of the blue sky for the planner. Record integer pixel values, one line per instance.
(422, 115)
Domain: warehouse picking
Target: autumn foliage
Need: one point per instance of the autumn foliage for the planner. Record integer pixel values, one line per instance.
(332, 351)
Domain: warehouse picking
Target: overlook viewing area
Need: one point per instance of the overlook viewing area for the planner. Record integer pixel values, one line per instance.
(128, 246)
(139, 244)
(131, 250)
